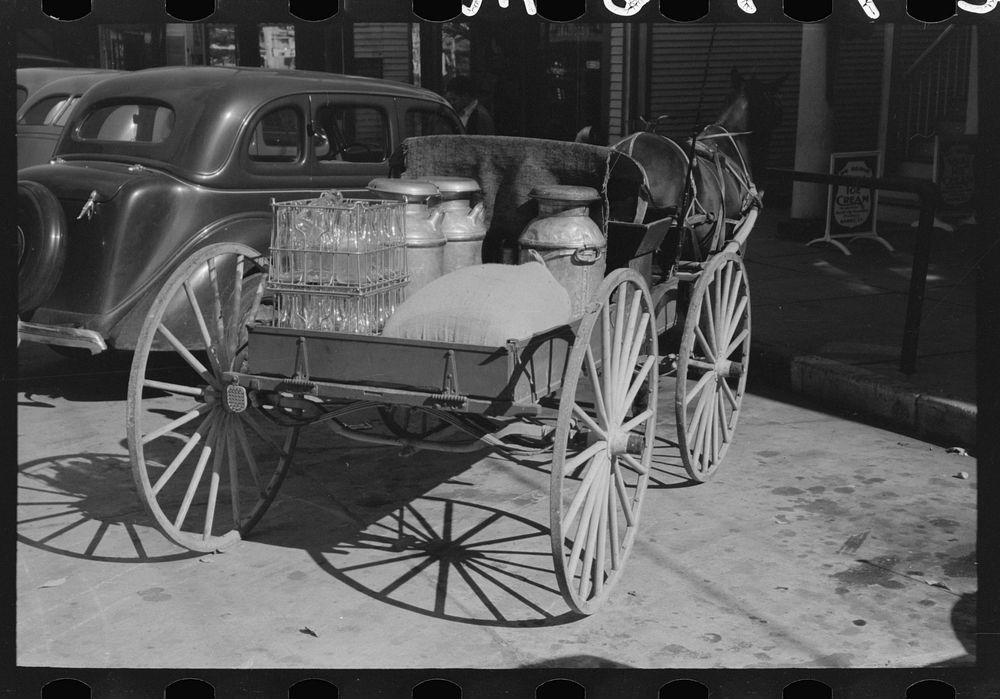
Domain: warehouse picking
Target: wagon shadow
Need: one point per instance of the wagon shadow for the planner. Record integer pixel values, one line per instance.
(412, 533)
(409, 532)
(415, 536)
(453, 560)
(85, 506)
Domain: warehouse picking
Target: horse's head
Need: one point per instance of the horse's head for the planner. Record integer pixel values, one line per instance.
(754, 105)
(754, 102)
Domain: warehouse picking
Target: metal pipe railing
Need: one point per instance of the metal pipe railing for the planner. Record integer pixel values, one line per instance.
(928, 194)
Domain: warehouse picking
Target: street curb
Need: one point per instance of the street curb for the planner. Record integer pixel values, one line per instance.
(879, 399)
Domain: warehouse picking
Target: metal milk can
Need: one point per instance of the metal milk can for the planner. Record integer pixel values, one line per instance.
(461, 222)
(424, 240)
(568, 240)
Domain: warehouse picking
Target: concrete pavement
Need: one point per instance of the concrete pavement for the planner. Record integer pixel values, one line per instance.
(821, 543)
(830, 326)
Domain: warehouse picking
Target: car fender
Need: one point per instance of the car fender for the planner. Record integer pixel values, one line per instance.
(251, 228)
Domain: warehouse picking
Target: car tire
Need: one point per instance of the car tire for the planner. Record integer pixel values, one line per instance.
(41, 244)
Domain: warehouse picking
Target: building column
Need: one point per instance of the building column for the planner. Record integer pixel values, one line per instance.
(247, 44)
(814, 130)
(972, 105)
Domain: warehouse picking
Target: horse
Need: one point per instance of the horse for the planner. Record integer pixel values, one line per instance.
(711, 192)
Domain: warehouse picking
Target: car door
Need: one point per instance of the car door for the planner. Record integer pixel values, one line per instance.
(350, 138)
(274, 152)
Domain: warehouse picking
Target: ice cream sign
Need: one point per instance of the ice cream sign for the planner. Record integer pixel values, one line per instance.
(852, 208)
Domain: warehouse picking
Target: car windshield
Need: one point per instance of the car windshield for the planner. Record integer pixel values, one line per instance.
(128, 123)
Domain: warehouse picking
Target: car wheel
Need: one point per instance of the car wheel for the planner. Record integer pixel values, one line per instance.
(41, 244)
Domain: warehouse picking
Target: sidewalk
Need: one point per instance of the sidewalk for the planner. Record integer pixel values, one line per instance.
(830, 326)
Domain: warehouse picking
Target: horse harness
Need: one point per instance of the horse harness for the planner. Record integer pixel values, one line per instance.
(708, 152)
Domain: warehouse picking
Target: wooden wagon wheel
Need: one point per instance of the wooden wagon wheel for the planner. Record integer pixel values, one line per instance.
(712, 364)
(206, 464)
(604, 440)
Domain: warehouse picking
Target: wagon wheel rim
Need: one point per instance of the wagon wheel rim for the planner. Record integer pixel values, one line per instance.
(206, 463)
(712, 365)
(604, 441)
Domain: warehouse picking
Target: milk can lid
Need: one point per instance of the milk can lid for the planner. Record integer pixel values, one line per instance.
(565, 192)
(454, 185)
(407, 188)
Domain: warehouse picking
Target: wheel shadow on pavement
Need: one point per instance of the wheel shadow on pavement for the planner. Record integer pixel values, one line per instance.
(85, 506)
(667, 467)
(409, 532)
(454, 560)
(458, 537)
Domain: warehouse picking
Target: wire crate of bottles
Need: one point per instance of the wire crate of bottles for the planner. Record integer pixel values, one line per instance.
(337, 264)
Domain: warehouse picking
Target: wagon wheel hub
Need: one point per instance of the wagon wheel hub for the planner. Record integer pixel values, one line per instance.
(236, 398)
(728, 369)
(621, 442)
(723, 368)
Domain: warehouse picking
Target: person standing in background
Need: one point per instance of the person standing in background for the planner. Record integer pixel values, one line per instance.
(461, 95)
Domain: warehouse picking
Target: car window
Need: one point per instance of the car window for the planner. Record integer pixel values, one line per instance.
(129, 123)
(430, 120)
(349, 132)
(22, 95)
(45, 111)
(277, 137)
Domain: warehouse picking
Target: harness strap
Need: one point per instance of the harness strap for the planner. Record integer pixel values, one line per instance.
(751, 196)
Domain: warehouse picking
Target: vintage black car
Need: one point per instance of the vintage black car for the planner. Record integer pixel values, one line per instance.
(158, 163)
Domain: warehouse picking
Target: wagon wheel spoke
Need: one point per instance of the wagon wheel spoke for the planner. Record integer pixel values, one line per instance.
(210, 345)
(189, 445)
(589, 421)
(232, 336)
(634, 464)
(199, 470)
(599, 400)
(737, 342)
(188, 357)
(716, 294)
(220, 323)
(709, 315)
(174, 424)
(706, 347)
(586, 486)
(640, 379)
(205, 465)
(594, 504)
(727, 391)
(196, 391)
(712, 365)
(624, 500)
(614, 539)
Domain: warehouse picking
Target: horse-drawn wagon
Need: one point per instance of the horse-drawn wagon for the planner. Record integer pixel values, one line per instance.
(211, 450)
